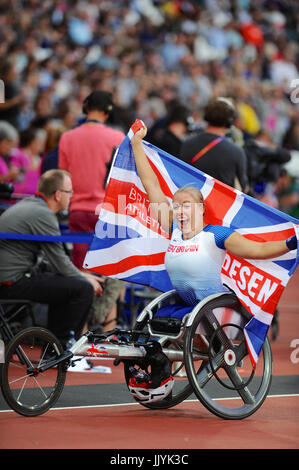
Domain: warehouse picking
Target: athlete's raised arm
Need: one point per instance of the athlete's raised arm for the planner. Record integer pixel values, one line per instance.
(159, 202)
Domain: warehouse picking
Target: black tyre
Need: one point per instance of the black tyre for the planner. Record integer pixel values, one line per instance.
(226, 383)
(26, 390)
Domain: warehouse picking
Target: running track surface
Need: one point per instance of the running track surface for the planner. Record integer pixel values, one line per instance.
(114, 421)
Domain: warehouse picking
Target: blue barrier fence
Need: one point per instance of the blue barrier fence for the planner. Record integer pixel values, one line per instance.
(75, 237)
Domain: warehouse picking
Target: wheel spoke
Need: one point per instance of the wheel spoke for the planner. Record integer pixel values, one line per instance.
(237, 381)
(43, 355)
(23, 377)
(20, 352)
(205, 373)
(40, 388)
(22, 388)
(213, 325)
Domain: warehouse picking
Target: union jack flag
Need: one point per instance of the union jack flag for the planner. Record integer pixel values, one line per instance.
(129, 244)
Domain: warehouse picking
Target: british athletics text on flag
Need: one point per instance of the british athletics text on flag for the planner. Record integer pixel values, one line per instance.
(129, 244)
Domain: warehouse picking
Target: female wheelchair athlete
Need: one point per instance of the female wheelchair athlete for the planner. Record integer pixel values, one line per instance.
(208, 342)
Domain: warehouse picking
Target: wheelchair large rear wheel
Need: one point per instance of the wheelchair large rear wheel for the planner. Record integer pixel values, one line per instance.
(226, 384)
(26, 390)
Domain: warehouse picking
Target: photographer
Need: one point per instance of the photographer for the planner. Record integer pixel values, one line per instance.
(214, 154)
(264, 161)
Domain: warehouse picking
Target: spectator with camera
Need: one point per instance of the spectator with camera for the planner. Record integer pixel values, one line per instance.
(211, 152)
(264, 159)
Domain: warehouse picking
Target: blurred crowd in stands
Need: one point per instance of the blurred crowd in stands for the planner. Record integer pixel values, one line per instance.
(149, 54)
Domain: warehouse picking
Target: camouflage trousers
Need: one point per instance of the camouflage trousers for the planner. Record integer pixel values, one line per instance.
(103, 304)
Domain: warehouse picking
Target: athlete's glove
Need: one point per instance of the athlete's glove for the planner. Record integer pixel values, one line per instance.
(292, 243)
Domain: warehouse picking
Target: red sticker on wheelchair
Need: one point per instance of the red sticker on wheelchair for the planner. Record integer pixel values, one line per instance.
(95, 351)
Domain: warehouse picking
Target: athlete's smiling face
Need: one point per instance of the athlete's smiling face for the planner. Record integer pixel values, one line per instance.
(188, 213)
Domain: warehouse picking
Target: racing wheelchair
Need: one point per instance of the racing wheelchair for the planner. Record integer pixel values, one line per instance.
(208, 343)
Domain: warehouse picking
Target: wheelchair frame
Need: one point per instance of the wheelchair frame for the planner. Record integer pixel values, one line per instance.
(18, 307)
(128, 346)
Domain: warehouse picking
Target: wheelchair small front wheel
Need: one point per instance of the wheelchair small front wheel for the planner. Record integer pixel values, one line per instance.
(226, 383)
(26, 390)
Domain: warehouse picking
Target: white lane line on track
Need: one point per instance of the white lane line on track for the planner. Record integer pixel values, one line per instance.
(292, 395)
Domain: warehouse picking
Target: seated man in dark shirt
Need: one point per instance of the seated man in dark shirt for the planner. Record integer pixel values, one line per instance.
(212, 153)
